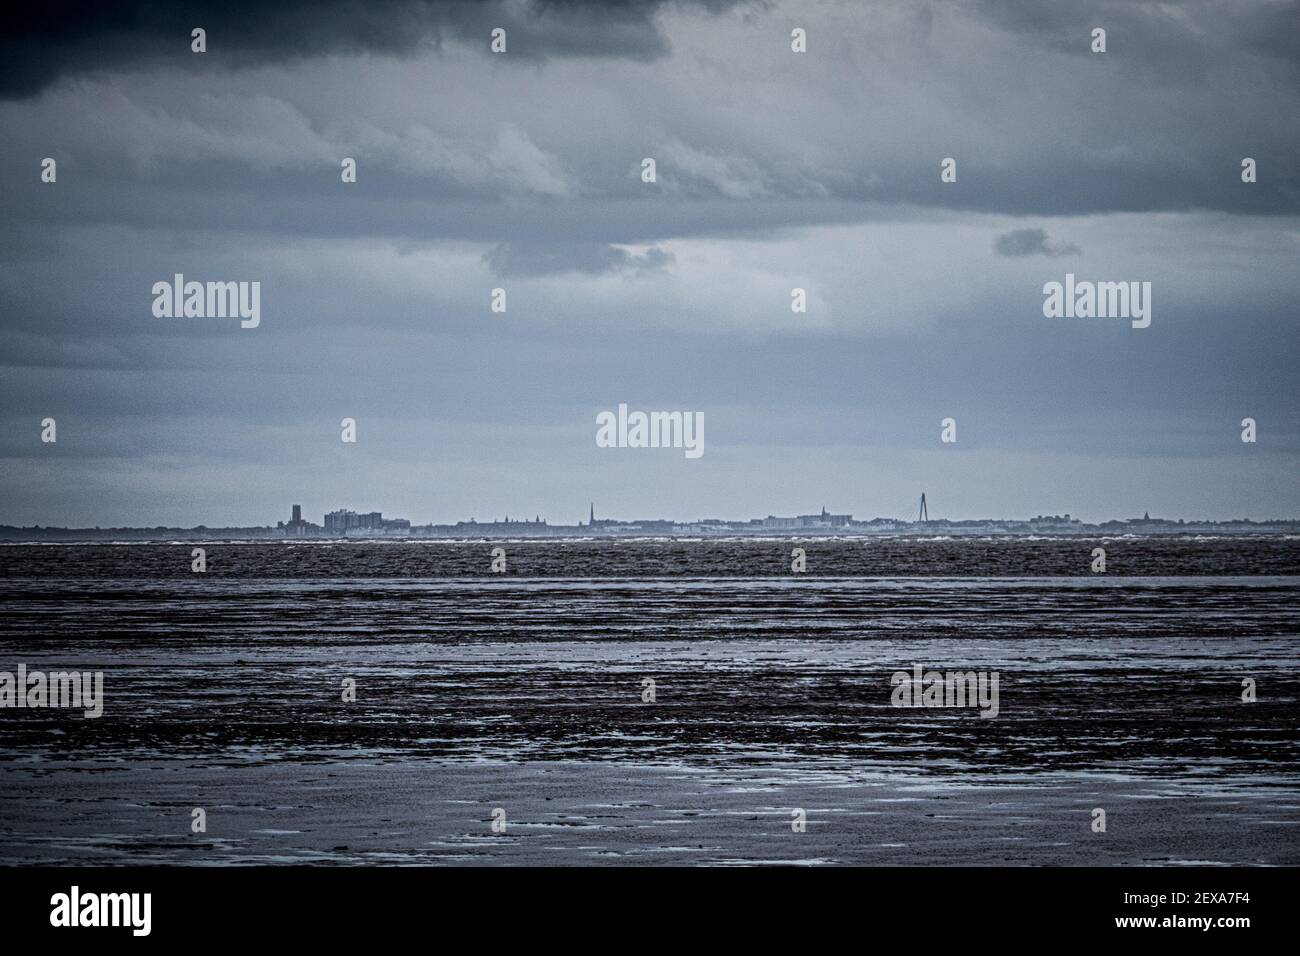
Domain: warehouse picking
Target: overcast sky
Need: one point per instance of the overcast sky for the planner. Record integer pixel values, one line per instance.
(775, 170)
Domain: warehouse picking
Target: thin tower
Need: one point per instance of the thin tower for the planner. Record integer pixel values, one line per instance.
(924, 514)
(591, 521)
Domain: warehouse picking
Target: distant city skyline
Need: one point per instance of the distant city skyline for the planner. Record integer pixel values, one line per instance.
(348, 523)
(378, 519)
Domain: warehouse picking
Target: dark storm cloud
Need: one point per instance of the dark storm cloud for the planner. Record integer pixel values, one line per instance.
(1039, 125)
(46, 41)
(552, 258)
(1031, 242)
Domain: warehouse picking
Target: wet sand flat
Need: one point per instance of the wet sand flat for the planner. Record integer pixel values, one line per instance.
(574, 812)
(771, 693)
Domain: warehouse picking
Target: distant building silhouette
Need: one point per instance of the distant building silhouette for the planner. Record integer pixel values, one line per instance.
(296, 527)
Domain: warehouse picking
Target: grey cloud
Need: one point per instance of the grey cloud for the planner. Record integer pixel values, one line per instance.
(1031, 242)
(1184, 38)
(547, 258)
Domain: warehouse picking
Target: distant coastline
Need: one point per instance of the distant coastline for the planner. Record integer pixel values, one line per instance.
(347, 525)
